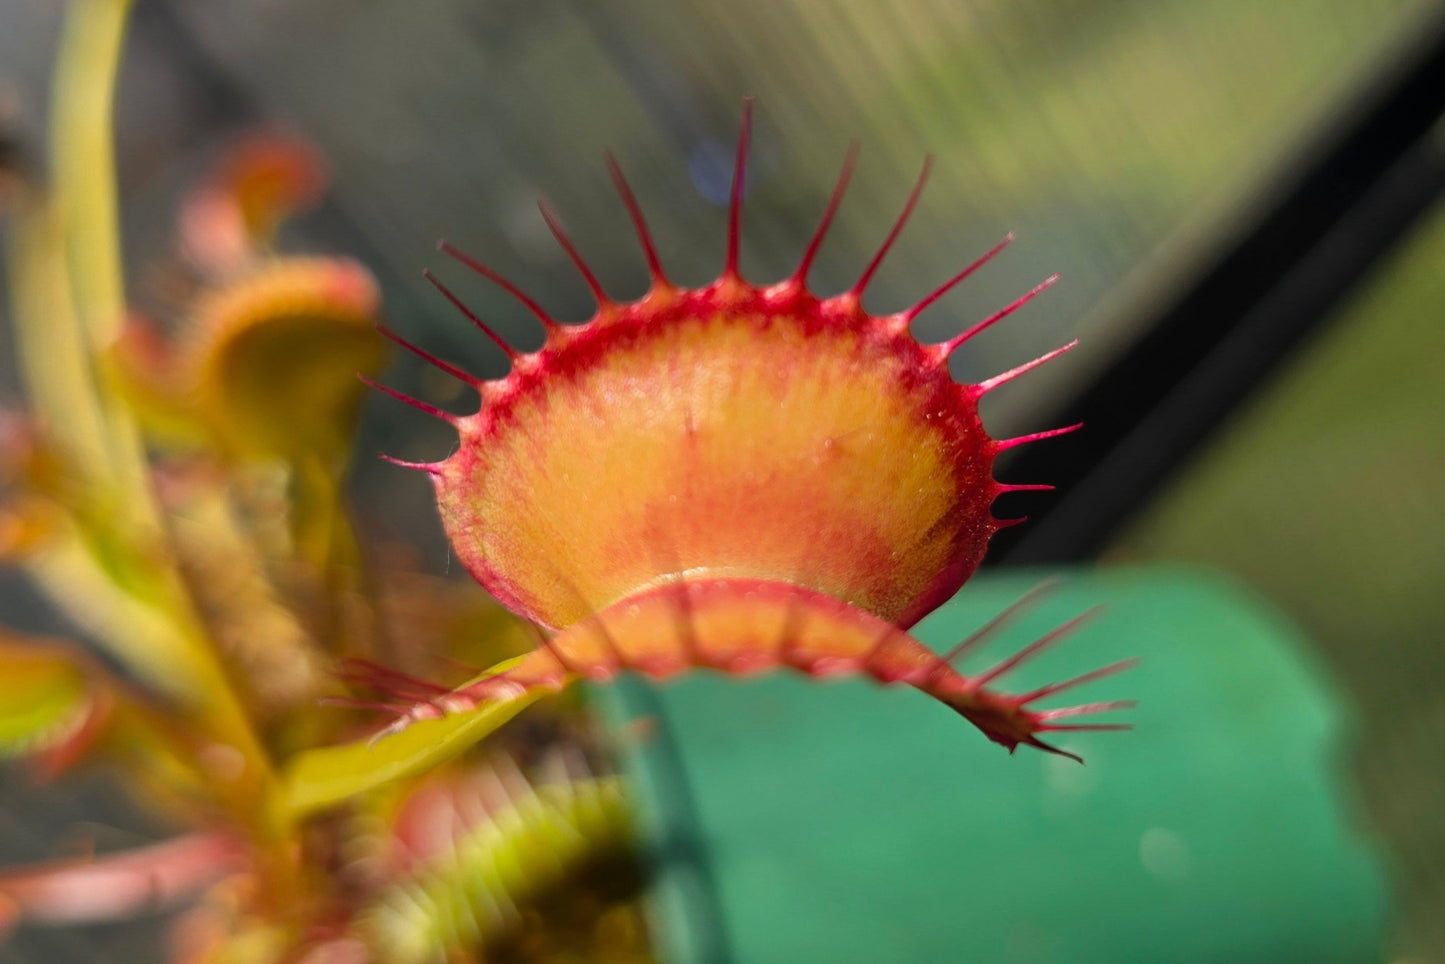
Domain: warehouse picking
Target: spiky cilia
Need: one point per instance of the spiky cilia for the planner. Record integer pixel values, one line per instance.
(735, 477)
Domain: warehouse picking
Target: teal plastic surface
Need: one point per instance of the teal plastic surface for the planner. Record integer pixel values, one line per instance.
(796, 821)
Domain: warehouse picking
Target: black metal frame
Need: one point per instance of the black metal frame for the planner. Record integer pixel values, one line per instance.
(1241, 311)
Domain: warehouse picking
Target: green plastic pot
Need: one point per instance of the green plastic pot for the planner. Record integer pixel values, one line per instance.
(790, 820)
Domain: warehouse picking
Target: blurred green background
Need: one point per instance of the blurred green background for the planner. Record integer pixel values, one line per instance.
(1326, 496)
(1116, 137)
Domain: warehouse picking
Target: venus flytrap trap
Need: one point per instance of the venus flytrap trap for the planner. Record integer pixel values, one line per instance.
(735, 478)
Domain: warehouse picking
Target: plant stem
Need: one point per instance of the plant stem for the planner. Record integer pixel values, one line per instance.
(54, 359)
(84, 157)
(84, 199)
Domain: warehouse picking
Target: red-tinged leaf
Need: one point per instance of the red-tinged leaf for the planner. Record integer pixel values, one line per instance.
(120, 885)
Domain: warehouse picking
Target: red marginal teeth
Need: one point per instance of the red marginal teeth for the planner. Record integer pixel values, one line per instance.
(378, 676)
(857, 290)
(501, 281)
(430, 468)
(639, 222)
(415, 403)
(1085, 709)
(850, 161)
(1086, 728)
(997, 622)
(952, 345)
(555, 226)
(989, 384)
(1110, 670)
(431, 359)
(482, 326)
(735, 203)
(1035, 647)
(1009, 443)
(948, 285)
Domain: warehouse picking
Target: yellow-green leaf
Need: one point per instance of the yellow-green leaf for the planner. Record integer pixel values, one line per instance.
(323, 777)
(45, 695)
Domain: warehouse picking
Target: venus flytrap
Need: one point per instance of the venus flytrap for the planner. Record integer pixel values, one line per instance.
(738, 477)
(735, 477)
